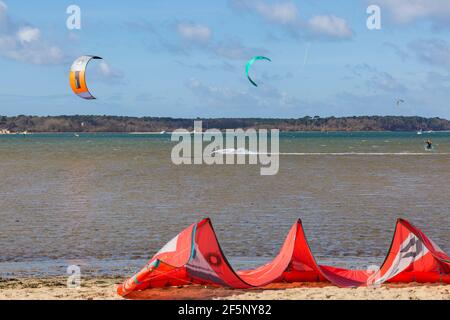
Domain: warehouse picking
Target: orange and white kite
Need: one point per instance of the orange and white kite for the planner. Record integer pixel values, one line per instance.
(78, 77)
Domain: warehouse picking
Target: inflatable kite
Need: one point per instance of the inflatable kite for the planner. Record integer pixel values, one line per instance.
(194, 257)
(250, 63)
(78, 77)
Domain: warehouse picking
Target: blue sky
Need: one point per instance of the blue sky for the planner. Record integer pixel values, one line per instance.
(187, 58)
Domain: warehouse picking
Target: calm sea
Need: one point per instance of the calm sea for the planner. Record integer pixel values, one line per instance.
(108, 202)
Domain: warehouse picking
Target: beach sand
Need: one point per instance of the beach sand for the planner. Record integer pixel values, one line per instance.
(105, 289)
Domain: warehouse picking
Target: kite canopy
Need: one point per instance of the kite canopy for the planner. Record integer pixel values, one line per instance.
(399, 101)
(194, 257)
(78, 77)
(250, 63)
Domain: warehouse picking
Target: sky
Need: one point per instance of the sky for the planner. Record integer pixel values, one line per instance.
(187, 58)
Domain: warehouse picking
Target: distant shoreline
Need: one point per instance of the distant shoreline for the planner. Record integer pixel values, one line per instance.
(153, 125)
(169, 132)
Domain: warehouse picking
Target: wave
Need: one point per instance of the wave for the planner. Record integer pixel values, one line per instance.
(235, 151)
(244, 151)
(362, 154)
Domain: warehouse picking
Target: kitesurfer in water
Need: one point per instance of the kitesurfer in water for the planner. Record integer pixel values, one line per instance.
(429, 144)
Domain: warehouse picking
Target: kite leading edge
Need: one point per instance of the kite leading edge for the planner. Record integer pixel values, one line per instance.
(250, 63)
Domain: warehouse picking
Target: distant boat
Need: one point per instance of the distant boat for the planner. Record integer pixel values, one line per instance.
(76, 135)
(420, 131)
(162, 132)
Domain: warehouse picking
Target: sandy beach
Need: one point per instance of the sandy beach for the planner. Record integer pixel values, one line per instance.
(104, 289)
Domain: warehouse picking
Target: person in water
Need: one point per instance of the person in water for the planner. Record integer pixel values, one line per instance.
(429, 144)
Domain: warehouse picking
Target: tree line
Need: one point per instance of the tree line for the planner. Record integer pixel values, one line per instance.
(95, 123)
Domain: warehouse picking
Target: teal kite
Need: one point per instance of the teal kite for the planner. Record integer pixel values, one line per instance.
(249, 64)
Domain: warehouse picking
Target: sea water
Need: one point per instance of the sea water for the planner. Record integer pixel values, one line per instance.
(108, 202)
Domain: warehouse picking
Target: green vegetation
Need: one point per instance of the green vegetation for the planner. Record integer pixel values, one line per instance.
(92, 123)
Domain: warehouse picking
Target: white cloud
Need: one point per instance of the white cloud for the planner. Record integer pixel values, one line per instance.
(24, 43)
(106, 73)
(194, 32)
(330, 26)
(194, 36)
(3, 16)
(235, 50)
(3, 9)
(34, 52)
(219, 96)
(432, 51)
(376, 80)
(397, 50)
(28, 34)
(406, 11)
(225, 97)
(278, 12)
(286, 14)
